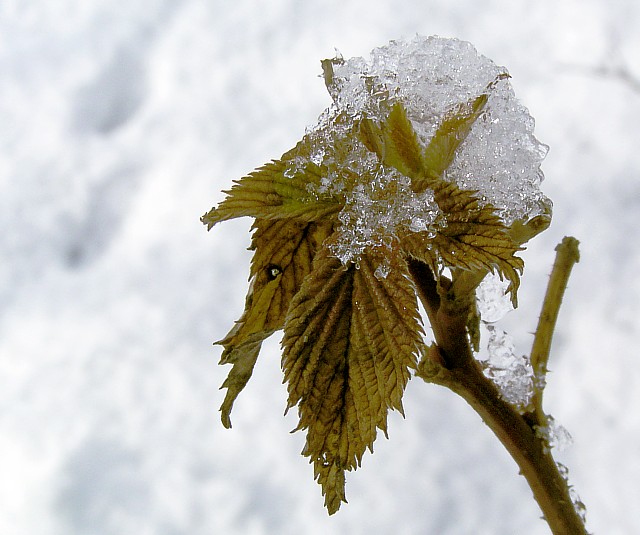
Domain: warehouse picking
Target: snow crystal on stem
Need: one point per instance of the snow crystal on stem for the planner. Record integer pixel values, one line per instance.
(578, 504)
(555, 435)
(492, 298)
(512, 374)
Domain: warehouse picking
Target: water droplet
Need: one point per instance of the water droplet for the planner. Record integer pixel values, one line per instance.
(273, 271)
(382, 271)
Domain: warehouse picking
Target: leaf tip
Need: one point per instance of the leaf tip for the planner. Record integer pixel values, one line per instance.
(225, 410)
(210, 218)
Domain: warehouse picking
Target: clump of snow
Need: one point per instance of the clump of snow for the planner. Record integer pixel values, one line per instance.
(493, 300)
(555, 435)
(510, 372)
(430, 77)
(375, 211)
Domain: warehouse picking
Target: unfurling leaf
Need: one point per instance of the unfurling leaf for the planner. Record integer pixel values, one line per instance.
(350, 339)
(453, 130)
(395, 142)
(397, 145)
(472, 238)
(284, 251)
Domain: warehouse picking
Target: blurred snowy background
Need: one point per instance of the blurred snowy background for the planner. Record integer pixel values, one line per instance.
(121, 121)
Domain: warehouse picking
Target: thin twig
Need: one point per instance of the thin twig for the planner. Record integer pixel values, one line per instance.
(567, 255)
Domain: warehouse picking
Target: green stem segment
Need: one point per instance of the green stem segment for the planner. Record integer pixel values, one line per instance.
(451, 364)
(567, 255)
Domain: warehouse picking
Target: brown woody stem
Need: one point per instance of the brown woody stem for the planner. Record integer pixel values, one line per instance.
(451, 364)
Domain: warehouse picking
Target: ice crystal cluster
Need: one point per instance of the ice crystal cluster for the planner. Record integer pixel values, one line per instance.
(429, 76)
(511, 373)
(555, 435)
(493, 298)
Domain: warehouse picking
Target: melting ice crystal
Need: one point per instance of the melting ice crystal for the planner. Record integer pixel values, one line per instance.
(429, 76)
(555, 435)
(492, 297)
(511, 373)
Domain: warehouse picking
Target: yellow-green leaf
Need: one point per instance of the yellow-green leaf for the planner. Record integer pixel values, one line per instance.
(243, 357)
(284, 251)
(470, 237)
(395, 142)
(452, 131)
(350, 339)
(279, 189)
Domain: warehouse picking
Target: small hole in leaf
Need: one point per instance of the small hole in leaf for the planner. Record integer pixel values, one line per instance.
(273, 271)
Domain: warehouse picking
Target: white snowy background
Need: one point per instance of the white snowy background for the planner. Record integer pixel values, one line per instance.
(121, 121)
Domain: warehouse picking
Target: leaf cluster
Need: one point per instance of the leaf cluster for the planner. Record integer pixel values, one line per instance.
(352, 334)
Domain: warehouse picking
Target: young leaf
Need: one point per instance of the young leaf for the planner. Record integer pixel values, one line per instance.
(284, 251)
(276, 190)
(453, 130)
(395, 142)
(349, 341)
(472, 237)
